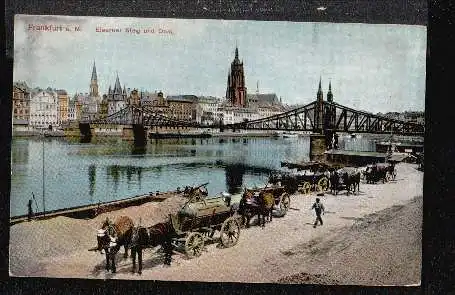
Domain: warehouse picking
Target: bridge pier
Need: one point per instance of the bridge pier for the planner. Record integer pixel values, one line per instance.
(140, 134)
(317, 147)
(85, 132)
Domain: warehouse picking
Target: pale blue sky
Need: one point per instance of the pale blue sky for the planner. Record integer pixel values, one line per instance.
(376, 68)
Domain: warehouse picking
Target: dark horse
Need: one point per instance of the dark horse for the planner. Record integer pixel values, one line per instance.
(111, 236)
(350, 178)
(150, 237)
(379, 171)
(256, 203)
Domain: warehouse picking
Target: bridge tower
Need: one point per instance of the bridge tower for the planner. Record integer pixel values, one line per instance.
(319, 111)
(317, 139)
(329, 117)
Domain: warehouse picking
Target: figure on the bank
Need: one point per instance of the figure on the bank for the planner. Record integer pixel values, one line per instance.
(319, 209)
(30, 210)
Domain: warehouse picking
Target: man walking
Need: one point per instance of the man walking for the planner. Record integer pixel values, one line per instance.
(318, 208)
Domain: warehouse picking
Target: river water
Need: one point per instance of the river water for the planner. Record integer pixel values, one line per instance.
(109, 169)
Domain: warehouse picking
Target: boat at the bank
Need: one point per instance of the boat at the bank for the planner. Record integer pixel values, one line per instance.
(286, 134)
(54, 133)
(157, 135)
(92, 210)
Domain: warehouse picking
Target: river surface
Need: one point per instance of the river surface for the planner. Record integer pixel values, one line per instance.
(110, 169)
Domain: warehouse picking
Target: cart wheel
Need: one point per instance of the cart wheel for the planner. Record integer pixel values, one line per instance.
(323, 184)
(194, 244)
(388, 176)
(285, 203)
(230, 232)
(306, 188)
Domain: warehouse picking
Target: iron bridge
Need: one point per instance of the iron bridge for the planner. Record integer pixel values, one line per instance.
(321, 117)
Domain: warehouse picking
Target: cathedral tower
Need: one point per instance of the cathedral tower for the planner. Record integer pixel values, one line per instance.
(236, 90)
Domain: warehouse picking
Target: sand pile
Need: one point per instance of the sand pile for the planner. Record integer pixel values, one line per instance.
(33, 244)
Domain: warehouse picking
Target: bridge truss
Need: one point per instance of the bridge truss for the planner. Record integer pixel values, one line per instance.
(318, 116)
(332, 117)
(145, 115)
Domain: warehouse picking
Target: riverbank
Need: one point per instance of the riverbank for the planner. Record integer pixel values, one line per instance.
(373, 238)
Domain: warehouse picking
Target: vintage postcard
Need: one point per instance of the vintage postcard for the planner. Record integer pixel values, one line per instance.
(217, 150)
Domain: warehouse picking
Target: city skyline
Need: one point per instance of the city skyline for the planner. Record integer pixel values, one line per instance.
(376, 68)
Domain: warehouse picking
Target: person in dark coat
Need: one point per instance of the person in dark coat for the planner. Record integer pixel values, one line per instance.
(30, 210)
(319, 209)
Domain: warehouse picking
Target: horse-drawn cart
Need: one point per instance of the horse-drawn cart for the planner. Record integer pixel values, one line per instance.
(310, 176)
(198, 221)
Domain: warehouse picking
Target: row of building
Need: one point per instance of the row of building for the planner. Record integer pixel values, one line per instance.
(415, 117)
(41, 108)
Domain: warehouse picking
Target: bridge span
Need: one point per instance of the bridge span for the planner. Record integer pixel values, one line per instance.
(323, 118)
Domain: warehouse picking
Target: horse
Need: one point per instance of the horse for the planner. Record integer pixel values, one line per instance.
(334, 182)
(349, 176)
(378, 172)
(111, 236)
(256, 203)
(150, 237)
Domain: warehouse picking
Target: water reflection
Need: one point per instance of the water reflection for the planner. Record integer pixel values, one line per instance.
(115, 172)
(92, 180)
(235, 174)
(85, 139)
(138, 150)
(234, 177)
(128, 169)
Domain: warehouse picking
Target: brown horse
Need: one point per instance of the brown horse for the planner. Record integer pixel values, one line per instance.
(150, 237)
(258, 203)
(111, 236)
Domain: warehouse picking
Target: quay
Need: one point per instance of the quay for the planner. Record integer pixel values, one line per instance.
(403, 147)
(91, 211)
(354, 158)
(157, 135)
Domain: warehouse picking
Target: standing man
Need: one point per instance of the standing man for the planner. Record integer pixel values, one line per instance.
(30, 210)
(318, 208)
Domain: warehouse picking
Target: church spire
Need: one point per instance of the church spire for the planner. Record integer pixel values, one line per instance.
(94, 83)
(320, 94)
(117, 86)
(94, 76)
(329, 94)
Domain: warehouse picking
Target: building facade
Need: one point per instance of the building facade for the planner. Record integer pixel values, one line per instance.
(182, 107)
(44, 108)
(236, 89)
(21, 103)
(63, 105)
(207, 110)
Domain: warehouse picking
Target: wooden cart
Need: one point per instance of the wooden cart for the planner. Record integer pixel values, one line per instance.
(200, 218)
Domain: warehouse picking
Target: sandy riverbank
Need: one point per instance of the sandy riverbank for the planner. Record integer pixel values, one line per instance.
(373, 238)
